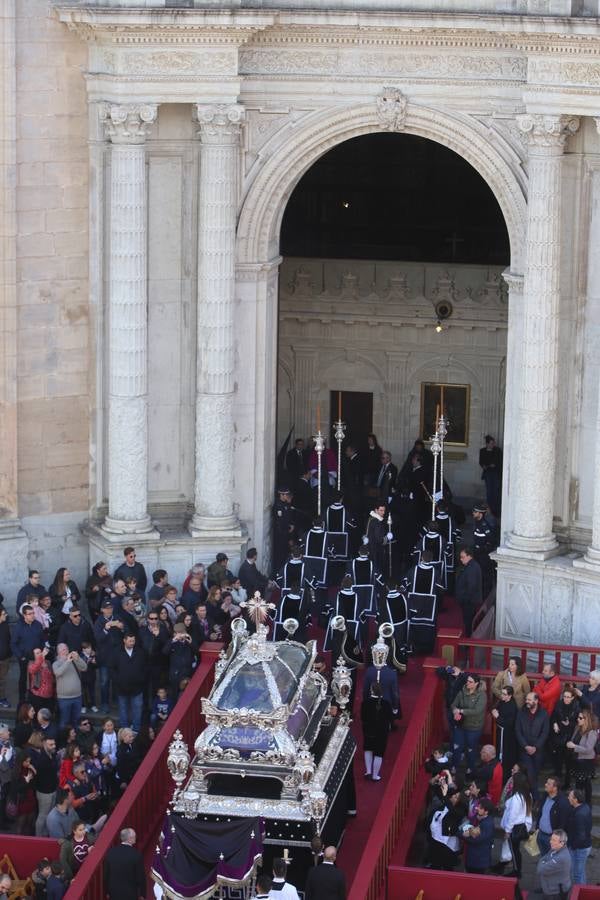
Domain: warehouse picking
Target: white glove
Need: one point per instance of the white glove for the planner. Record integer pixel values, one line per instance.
(365, 539)
(390, 536)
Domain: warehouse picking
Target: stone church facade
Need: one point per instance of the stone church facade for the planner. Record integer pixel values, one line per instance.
(148, 150)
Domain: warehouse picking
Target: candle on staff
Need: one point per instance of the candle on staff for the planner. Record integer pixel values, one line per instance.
(339, 406)
(286, 853)
(437, 415)
(318, 416)
(442, 398)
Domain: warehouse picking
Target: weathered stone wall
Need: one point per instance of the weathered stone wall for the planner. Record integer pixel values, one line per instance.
(52, 264)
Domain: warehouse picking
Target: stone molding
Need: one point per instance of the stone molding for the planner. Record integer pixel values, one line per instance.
(390, 108)
(128, 124)
(263, 207)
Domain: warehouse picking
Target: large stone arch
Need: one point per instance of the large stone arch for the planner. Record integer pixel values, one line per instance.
(266, 199)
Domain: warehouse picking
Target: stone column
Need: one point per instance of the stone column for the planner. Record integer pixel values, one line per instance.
(219, 133)
(538, 399)
(127, 127)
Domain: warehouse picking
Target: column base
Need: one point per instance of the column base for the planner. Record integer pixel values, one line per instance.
(530, 548)
(213, 526)
(14, 548)
(120, 527)
(590, 561)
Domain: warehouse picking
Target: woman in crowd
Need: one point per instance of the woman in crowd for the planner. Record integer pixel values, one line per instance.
(97, 587)
(376, 716)
(516, 821)
(505, 715)
(165, 619)
(468, 712)
(589, 695)
(67, 737)
(22, 805)
(24, 726)
(513, 676)
(40, 680)
(74, 851)
(129, 757)
(474, 792)
(562, 723)
(582, 745)
(444, 828)
(64, 592)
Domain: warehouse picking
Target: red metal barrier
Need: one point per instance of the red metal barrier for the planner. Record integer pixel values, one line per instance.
(398, 812)
(406, 883)
(143, 804)
(25, 852)
(478, 654)
(584, 892)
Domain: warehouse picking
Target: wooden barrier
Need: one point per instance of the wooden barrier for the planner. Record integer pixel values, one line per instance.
(584, 892)
(398, 812)
(434, 885)
(144, 803)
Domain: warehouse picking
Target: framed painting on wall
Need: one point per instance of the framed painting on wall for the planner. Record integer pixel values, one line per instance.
(454, 400)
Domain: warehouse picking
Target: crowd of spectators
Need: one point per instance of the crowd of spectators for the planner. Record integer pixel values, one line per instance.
(551, 725)
(98, 675)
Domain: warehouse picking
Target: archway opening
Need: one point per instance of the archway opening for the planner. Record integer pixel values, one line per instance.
(390, 287)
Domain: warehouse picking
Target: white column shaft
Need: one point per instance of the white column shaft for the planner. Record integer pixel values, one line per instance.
(593, 551)
(128, 322)
(217, 214)
(538, 401)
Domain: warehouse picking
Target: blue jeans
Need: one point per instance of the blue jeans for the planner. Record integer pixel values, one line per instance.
(130, 711)
(69, 711)
(543, 840)
(466, 741)
(104, 673)
(578, 861)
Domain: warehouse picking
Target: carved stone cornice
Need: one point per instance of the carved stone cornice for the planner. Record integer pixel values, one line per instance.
(219, 122)
(547, 133)
(129, 123)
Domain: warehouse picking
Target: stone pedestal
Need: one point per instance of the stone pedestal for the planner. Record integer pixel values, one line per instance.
(127, 128)
(219, 132)
(538, 401)
(14, 547)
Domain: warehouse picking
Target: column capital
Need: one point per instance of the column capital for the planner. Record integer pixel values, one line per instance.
(128, 123)
(547, 132)
(219, 122)
(597, 121)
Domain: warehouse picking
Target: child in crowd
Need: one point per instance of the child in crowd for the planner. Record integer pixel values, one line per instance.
(161, 707)
(88, 678)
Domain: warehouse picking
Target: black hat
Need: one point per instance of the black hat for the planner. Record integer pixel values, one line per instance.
(480, 507)
(106, 604)
(284, 489)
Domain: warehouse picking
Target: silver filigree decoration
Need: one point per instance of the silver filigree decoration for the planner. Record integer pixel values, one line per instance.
(390, 107)
(178, 760)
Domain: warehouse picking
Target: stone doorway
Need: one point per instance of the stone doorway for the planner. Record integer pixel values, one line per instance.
(356, 411)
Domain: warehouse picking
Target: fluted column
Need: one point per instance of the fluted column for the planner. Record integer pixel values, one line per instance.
(127, 128)
(538, 400)
(219, 133)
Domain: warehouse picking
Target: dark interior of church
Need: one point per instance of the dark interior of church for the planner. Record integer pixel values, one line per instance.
(395, 197)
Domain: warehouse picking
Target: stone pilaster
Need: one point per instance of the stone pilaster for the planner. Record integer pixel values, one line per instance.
(13, 540)
(127, 127)
(219, 133)
(538, 399)
(592, 555)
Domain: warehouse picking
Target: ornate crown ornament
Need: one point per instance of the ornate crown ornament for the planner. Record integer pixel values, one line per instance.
(341, 683)
(304, 768)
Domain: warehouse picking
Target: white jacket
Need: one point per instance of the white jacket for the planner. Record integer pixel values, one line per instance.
(515, 813)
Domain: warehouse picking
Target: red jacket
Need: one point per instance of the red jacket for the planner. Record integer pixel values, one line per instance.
(548, 692)
(495, 784)
(40, 678)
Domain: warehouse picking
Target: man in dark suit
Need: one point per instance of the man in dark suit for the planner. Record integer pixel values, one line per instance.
(251, 578)
(468, 587)
(124, 875)
(386, 477)
(295, 462)
(325, 882)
